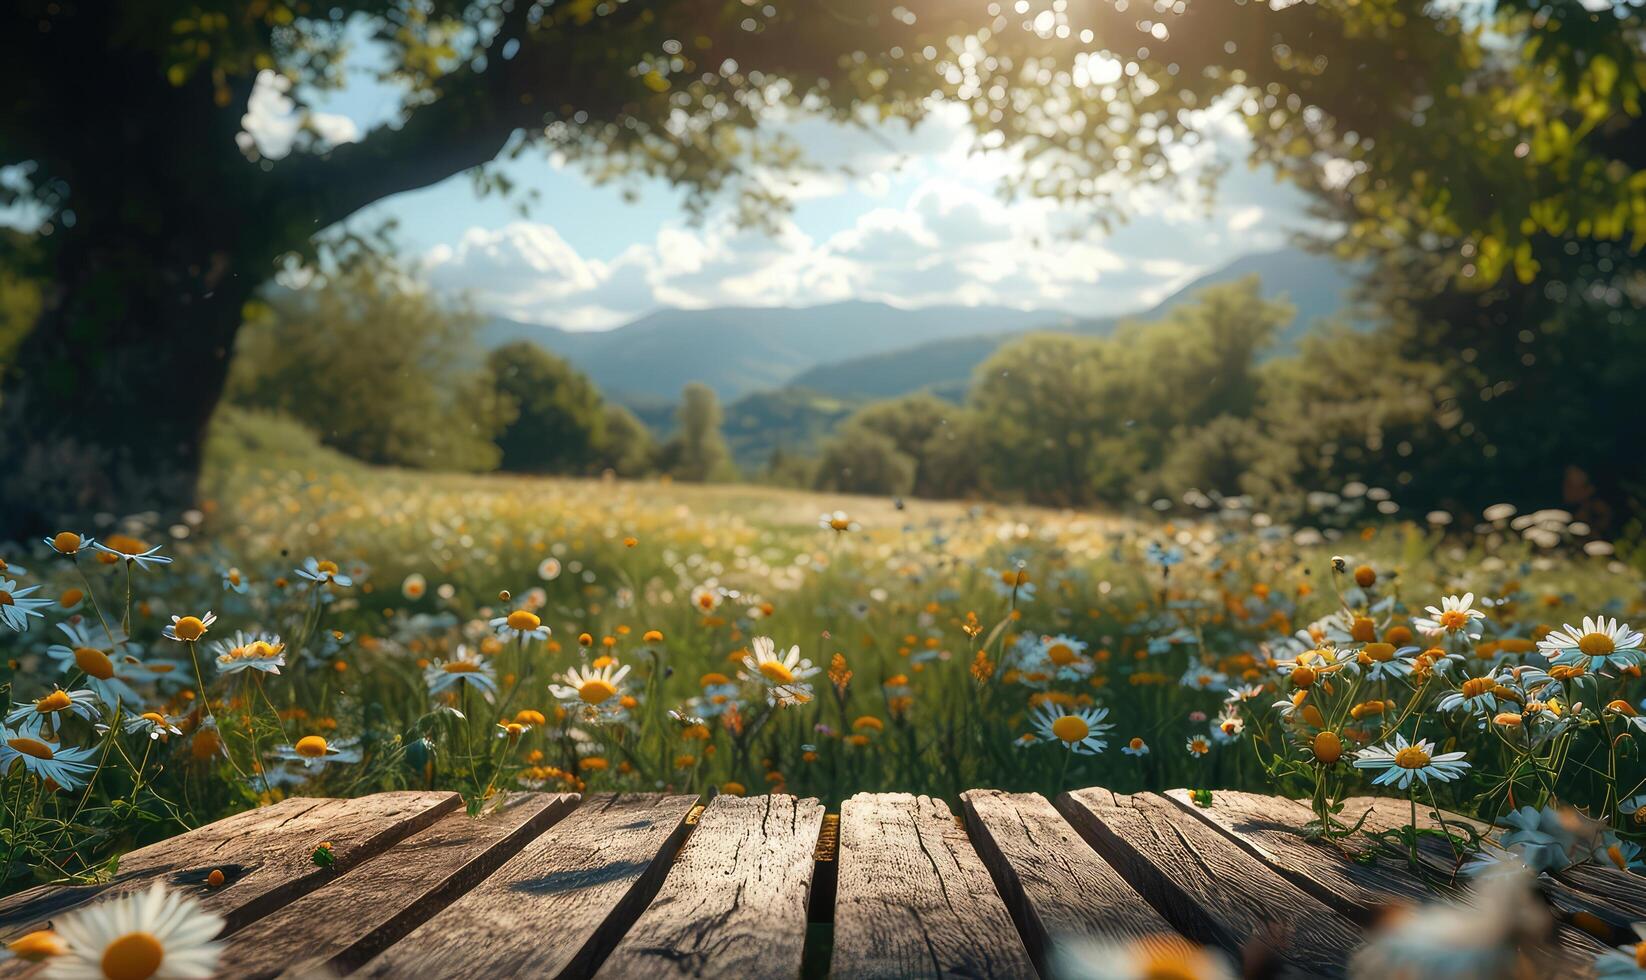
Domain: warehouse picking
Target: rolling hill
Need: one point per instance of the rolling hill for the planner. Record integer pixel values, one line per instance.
(739, 350)
(1314, 285)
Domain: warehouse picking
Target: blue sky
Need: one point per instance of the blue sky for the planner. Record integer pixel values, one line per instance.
(909, 218)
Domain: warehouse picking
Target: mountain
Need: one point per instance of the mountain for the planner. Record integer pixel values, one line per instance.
(1313, 284)
(739, 350)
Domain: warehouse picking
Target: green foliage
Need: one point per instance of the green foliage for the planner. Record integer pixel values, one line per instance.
(860, 460)
(933, 434)
(559, 423)
(697, 453)
(377, 368)
(247, 440)
(627, 448)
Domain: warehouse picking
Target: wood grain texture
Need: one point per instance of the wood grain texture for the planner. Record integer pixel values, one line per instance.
(340, 926)
(559, 906)
(1597, 914)
(1207, 886)
(1052, 882)
(266, 856)
(1271, 829)
(913, 899)
(734, 903)
(1621, 893)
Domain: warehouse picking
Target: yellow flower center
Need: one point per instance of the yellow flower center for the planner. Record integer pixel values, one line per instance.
(1474, 687)
(1363, 630)
(1071, 728)
(460, 667)
(597, 691)
(1328, 748)
(1136, 743)
(1303, 676)
(55, 701)
(155, 717)
(95, 663)
(1640, 955)
(1411, 757)
(67, 542)
(1454, 619)
(326, 567)
(523, 621)
(31, 747)
(1380, 652)
(134, 956)
(840, 523)
(1596, 644)
(1061, 654)
(6, 599)
(189, 628)
(776, 672)
(311, 747)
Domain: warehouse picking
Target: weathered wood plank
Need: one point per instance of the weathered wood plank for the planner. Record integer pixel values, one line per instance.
(1270, 828)
(734, 903)
(334, 929)
(1586, 885)
(913, 899)
(266, 856)
(1590, 923)
(1207, 886)
(559, 906)
(1052, 882)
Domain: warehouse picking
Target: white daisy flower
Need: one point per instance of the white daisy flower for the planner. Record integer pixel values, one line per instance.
(1135, 746)
(152, 723)
(234, 581)
(1476, 695)
(69, 543)
(1160, 955)
(89, 651)
(1456, 617)
(187, 629)
(1198, 745)
(16, 606)
(132, 550)
(783, 676)
(1403, 761)
(29, 718)
(1013, 582)
(838, 522)
(522, 623)
(706, 598)
(1062, 656)
(591, 687)
(464, 668)
(1600, 643)
(157, 933)
(46, 759)
(258, 651)
(313, 750)
(323, 573)
(1080, 730)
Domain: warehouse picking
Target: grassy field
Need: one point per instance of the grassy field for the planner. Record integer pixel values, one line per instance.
(485, 633)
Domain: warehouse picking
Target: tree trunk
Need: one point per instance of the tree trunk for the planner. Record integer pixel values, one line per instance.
(106, 408)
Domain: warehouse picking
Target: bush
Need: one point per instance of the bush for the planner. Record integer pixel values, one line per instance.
(559, 421)
(375, 367)
(863, 461)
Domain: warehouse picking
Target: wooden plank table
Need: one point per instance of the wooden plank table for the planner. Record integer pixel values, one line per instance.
(648, 885)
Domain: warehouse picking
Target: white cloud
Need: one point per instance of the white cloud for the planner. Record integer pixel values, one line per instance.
(273, 123)
(926, 226)
(1245, 218)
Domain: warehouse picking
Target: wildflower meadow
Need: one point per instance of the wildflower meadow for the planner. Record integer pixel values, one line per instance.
(342, 633)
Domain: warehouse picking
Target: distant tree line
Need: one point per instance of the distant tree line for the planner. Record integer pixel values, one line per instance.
(1432, 405)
